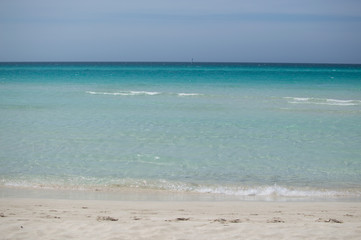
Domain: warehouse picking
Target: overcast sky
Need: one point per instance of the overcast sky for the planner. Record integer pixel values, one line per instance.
(316, 31)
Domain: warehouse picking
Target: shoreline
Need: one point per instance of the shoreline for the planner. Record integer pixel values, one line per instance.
(40, 218)
(142, 194)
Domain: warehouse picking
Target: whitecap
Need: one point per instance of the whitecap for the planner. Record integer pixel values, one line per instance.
(91, 92)
(301, 99)
(125, 93)
(322, 101)
(143, 93)
(339, 101)
(188, 94)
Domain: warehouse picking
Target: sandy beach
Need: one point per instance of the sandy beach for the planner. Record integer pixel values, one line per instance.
(32, 218)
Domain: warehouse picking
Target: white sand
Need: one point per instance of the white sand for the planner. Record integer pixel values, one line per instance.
(83, 219)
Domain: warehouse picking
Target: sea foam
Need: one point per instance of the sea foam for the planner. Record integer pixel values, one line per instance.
(124, 93)
(323, 101)
(143, 93)
(265, 192)
(188, 94)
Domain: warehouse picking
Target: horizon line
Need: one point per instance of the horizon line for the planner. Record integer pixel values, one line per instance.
(186, 62)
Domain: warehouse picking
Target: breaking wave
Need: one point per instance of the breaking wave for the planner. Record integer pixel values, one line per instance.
(323, 101)
(124, 93)
(142, 93)
(260, 192)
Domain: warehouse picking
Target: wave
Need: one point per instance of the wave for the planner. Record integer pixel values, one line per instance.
(144, 93)
(274, 191)
(323, 101)
(188, 94)
(124, 93)
(260, 192)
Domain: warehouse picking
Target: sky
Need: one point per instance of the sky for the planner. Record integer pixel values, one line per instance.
(298, 31)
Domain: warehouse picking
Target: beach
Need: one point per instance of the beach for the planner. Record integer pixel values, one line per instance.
(39, 218)
(184, 120)
(180, 151)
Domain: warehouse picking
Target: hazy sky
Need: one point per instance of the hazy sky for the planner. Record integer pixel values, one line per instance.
(326, 31)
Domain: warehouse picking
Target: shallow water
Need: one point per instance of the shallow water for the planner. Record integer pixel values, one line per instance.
(233, 129)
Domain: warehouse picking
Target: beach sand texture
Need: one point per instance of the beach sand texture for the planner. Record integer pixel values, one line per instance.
(86, 219)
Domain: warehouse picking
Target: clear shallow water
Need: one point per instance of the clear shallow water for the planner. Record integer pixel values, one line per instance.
(234, 129)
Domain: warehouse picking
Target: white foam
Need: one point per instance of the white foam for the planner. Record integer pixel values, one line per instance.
(91, 92)
(341, 104)
(298, 99)
(323, 101)
(106, 93)
(270, 192)
(137, 93)
(144, 93)
(248, 192)
(339, 101)
(188, 94)
(125, 93)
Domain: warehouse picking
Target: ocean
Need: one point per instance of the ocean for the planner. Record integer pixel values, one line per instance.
(239, 130)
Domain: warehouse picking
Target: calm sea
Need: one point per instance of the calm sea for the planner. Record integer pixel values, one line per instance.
(242, 130)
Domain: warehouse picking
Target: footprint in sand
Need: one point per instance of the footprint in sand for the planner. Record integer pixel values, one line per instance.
(275, 220)
(107, 218)
(180, 219)
(330, 220)
(223, 221)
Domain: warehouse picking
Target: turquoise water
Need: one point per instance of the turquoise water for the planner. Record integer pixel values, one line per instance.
(235, 129)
